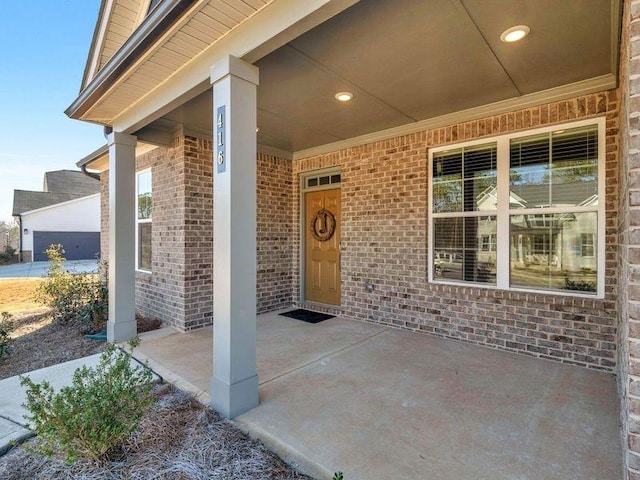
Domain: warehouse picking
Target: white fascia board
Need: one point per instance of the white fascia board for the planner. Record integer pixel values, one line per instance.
(56, 205)
(98, 45)
(278, 18)
(556, 94)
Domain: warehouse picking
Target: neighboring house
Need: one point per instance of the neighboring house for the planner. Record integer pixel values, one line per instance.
(350, 153)
(66, 212)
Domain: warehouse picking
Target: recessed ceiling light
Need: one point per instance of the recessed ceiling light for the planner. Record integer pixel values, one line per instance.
(344, 96)
(514, 34)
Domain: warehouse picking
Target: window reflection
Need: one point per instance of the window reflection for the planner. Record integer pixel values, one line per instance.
(464, 249)
(554, 251)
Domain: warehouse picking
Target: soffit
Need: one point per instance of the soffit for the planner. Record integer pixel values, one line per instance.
(203, 24)
(122, 22)
(116, 22)
(411, 60)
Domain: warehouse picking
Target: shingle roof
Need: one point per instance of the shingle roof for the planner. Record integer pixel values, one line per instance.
(70, 181)
(25, 200)
(59, 186)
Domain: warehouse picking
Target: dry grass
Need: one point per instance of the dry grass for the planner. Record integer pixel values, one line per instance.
(178, 439)
(18, 296)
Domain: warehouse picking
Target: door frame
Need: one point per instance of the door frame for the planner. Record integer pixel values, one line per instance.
(302, 221)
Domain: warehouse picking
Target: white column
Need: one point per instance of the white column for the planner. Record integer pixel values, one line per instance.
(234, 386)
(121, 325)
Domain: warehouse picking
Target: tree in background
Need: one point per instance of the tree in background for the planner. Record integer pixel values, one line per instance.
(9, 234)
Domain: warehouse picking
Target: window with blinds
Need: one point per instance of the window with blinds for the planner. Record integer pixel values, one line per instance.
(521, 211)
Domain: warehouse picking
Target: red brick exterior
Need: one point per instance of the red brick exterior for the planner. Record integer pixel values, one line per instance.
(384, 241)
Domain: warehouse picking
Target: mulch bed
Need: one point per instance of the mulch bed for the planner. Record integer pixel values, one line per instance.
(39, 342)
(178, 439)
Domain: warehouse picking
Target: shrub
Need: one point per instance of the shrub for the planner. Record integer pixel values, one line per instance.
(338, 476)
(6, 327)
(74, 297)
(7, 254)
(580, 285)
(97, 412)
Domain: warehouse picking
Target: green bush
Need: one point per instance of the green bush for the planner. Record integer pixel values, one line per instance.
(97, 412)
(74, 297)
(338, 476)
(6, 327)
(7, 254)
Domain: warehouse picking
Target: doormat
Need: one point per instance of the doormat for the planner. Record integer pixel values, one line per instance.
(307, 315)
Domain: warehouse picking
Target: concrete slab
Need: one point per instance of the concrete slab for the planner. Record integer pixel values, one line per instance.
(275, 357)
(12, 395)
(402, 405)
(11, 433)
(40, 269)
(383, 403)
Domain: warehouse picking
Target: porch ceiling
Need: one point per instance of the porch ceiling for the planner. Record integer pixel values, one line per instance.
(410, 60)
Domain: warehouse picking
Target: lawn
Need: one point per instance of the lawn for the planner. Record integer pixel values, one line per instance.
(18, 296)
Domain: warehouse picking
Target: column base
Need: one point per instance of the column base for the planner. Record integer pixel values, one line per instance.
(121, 331)
(236, 399)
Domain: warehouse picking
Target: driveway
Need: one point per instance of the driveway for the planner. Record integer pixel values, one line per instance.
(39, 269)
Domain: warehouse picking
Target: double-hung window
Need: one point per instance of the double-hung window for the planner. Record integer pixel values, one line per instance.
(143, 220)
(521, 211)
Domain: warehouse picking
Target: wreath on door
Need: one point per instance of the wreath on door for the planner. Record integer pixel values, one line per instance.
(323, 225)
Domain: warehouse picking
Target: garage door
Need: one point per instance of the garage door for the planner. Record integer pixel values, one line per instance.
(77, 245)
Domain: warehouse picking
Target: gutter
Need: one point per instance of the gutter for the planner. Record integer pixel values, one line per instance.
(143, 38)
(84, 163)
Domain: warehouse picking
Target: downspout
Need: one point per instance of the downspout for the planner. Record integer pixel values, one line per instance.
(20, 258)
(95, 176)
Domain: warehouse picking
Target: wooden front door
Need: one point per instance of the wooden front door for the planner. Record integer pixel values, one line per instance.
(322, 246)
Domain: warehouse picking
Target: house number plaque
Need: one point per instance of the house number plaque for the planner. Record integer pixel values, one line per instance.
(221, 160)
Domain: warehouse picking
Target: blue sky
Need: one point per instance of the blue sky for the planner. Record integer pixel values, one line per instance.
(43, 50)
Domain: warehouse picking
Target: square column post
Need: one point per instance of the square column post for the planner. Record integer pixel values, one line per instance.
(121, 325)
(234, 386)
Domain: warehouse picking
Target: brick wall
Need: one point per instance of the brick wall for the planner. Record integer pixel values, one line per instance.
(161, 294)
(198, 225)
(179, 289)
(629, 239)
(384, 241)
(274, 233)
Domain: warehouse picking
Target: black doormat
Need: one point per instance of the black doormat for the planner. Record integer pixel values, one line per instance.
(307, 315)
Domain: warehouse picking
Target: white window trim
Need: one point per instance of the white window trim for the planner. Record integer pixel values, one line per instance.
(503, 211)
(138, 221)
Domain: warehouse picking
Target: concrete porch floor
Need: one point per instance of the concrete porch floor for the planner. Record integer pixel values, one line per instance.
(381, 403)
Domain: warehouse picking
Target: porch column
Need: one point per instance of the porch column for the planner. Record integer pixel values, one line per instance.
(121, 325)
(234, 387)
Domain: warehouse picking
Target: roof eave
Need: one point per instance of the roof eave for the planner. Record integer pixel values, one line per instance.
(94, 40)
(93, 156)
(144, 37)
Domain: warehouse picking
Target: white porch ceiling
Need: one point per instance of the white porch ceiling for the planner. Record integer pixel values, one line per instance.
(410, 60)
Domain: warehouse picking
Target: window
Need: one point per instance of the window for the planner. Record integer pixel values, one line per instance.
(143, 216)
(588, 245)
(321, 180)
(521, 210)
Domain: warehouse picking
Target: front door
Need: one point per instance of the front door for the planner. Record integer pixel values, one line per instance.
(322, 246)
